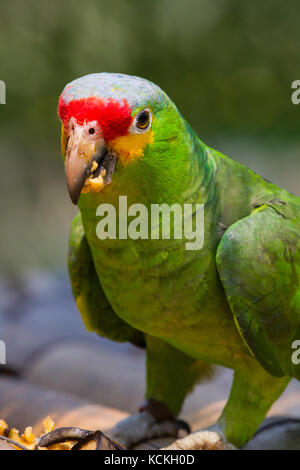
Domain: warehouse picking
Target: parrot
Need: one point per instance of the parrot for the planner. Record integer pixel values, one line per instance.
(234, 302)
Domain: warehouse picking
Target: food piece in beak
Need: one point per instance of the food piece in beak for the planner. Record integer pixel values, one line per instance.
(100, 174)
(88, 165)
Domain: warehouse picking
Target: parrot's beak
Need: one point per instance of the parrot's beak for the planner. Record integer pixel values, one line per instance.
(88, 164)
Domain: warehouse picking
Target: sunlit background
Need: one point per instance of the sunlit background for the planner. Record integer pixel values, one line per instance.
(227, 64)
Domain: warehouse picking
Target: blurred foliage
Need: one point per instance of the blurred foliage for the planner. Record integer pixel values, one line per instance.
(228, 65)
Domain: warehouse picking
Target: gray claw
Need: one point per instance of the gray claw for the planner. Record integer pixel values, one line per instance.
(143, 426)
(183, 425)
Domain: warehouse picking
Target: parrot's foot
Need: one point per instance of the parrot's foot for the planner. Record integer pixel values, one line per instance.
(207, 439)
(80, 437)
(144, 426)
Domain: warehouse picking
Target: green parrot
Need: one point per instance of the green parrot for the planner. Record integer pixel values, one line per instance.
(234, 302)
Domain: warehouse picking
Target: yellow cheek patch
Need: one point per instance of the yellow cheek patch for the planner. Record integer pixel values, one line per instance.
(131, 146)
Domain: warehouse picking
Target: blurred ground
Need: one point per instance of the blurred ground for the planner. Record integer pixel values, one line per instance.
(55, 368)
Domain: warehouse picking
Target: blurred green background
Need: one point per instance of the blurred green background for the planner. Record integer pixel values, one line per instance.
(228, 65)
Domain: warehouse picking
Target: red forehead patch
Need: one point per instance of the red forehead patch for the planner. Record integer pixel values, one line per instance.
(113, 117)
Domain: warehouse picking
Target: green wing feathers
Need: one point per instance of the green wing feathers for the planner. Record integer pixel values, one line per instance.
(96, 312)
(259, 265)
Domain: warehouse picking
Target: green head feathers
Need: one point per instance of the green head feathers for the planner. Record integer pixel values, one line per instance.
(122, 135)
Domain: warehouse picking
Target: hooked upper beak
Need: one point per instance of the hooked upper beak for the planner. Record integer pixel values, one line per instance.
(81, 152)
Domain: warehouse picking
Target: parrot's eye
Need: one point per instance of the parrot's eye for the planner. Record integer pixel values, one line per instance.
(92, 130)
(143, 119)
